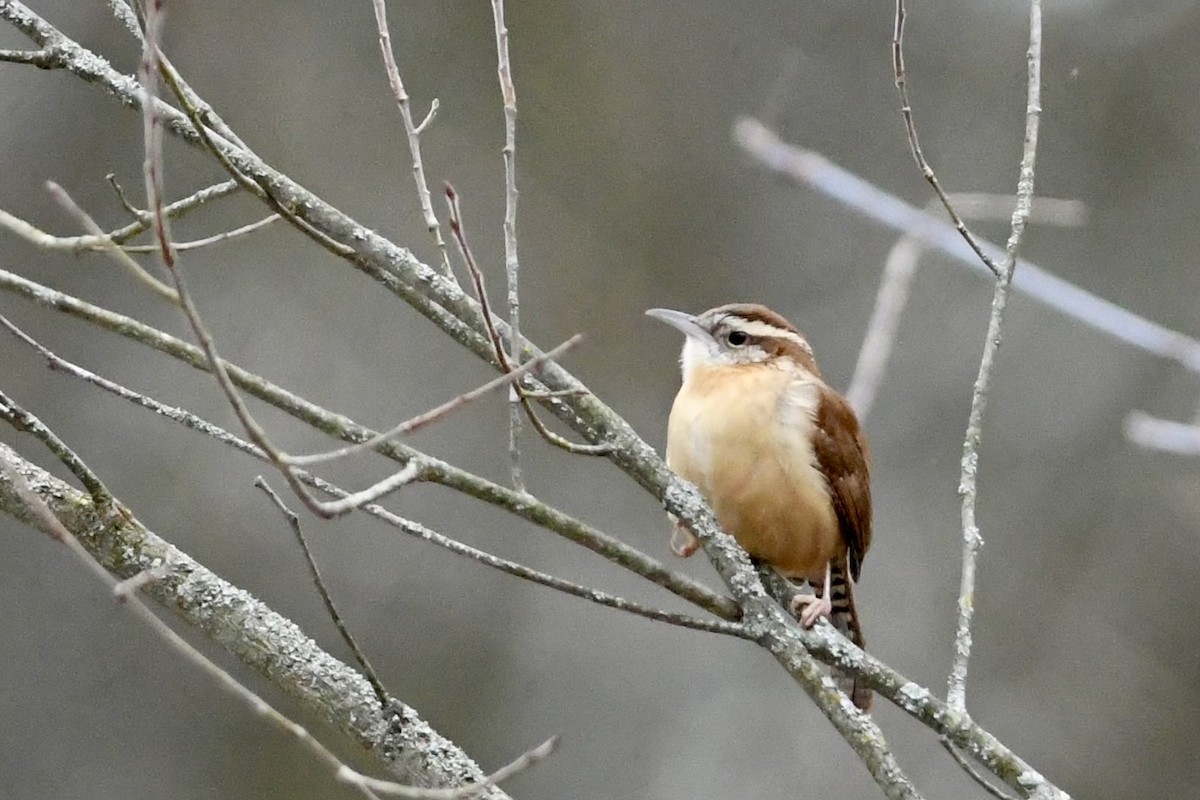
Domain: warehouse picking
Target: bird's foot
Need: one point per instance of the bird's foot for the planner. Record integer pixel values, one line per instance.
(683, 542)
(808, 608)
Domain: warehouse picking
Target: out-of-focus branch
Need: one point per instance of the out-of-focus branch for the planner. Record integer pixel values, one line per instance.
(1167, 435)
(899, 269)
(252, 632)
(810, 168)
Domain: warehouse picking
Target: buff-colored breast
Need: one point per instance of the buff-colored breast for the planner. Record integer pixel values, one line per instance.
(742, 434)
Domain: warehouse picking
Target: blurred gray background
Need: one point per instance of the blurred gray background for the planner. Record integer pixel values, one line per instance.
(632, 195)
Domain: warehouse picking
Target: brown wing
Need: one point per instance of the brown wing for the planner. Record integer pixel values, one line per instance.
(844, 458)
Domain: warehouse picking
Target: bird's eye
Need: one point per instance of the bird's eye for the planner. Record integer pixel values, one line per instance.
(736, 338)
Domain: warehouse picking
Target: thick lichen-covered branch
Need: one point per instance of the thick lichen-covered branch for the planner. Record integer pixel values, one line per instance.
(250, 630)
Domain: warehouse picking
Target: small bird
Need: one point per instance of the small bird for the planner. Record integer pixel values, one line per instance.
(778, 454)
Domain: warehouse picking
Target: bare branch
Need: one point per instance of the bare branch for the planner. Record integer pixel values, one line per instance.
(477, 281)
(956, 695)
(778, 633)
(110, 539)
(195, 111)
(914, 144)
(108, 246)
(122, 590)
(955, 727)
(42, 59)
(969, 768)
(435, 414)
(25, 421)
(207, 241)
(414, 135)
(294, 523)
(512, 268)
(517, 766)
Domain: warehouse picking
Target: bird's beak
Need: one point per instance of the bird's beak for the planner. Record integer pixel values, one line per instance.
(684, 322)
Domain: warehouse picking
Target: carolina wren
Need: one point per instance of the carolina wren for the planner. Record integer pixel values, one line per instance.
(777, 453)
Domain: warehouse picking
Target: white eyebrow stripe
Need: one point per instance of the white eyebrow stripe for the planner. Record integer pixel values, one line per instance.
(754, 327)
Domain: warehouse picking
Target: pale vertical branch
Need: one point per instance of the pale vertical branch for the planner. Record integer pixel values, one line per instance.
(890, 300)
(414, 135)
(511, 264)
(956, 694)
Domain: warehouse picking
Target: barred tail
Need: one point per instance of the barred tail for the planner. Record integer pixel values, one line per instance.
(845, 618)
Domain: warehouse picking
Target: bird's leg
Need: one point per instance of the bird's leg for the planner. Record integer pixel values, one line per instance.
(683, 542)
(809, 608)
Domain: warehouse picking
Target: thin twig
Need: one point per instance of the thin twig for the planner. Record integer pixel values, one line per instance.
(125, 13)
(435, 414)
(207, 241)
(190, 102)
(127, 204)
(315, 573)
(914, 144)
(899, 269)
(965, 764)
(149, 72)
(512, 269)
(108, 246)
(413, 133)
(152, 132)
(517, 766)
(956, 694)
(1167, 435)
(477, 282)
(809, 168)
